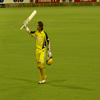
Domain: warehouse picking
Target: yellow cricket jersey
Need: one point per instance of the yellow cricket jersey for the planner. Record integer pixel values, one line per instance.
(41, 38)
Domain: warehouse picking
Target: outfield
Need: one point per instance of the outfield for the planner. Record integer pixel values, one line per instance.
(74, 33)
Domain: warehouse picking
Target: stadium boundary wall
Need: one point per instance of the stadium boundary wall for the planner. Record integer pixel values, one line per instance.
(46, 3)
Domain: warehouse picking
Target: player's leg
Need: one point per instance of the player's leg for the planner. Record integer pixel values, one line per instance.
(42, 57)
(39, 64)
(40, 72)
(43, 70)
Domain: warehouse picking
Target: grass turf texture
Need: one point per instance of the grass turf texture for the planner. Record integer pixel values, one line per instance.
(75, 43)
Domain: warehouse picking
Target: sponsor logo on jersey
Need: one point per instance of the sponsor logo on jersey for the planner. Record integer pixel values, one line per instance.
(39, 39)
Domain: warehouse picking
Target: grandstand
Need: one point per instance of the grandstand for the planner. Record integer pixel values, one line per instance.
(73, 27)
(38, 3)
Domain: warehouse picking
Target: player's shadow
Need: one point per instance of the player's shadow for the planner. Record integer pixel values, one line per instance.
(54, 83)
(24, 80)
(58, 83)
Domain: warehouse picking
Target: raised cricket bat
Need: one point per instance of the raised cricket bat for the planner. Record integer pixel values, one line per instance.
(29, 18)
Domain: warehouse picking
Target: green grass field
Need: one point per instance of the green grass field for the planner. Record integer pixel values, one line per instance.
(74, 33)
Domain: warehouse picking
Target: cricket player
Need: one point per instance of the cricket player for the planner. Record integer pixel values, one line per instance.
(42, 41)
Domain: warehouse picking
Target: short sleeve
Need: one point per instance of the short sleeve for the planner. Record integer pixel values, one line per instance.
(33, 33)
(47, 39)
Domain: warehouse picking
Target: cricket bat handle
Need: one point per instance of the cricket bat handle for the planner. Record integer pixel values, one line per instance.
(29, 18)
(22, 27)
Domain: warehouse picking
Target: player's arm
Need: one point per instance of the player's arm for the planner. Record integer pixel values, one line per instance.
(48, 42)
(48, 47)
(32, 33)
(27, 29)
